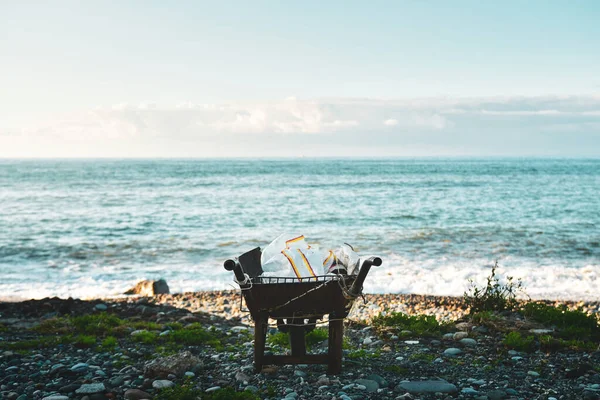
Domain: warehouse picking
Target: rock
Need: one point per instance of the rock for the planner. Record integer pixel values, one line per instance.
(190, 374)
(162, 384)
(117, 380)
(370, 385)
(497, 395)
(379, 379)
(12, 396)
(460, 335)
(367, 341)
(56, 397)
(80, 367)
(136, 394)
(101, 307)
(138, 332)
(250, 388)
(300, 373)
(468, 342)
(452, 351)
(533, 373)
(150, 288)
(176, 364)
(69, 388)
(419, 387)
(89, 388)
(212, 389)
(469, 391)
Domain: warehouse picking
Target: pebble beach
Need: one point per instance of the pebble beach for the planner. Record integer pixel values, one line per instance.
(467, 362)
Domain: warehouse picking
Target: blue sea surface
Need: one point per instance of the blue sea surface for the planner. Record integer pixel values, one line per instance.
(88, 228)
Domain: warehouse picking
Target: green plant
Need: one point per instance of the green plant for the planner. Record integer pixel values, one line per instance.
(281, 339)
(97, 324)
(515, 341)
(183, 392)
(146, 337)
(316, 336)
(420, 325)
(484, 317)
(571, 324)
(193, 335)
(495, 296)
(84, 341)
(109, 343)
(362, 354)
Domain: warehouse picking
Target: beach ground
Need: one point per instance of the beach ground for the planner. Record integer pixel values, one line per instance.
(200, 345)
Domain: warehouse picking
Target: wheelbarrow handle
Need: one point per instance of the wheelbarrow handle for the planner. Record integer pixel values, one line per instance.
(234, 265)
(362, 274)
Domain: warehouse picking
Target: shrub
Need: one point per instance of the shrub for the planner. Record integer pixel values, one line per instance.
(96, 324)
(316, 336)
(495, 296)
(193, 335)
(145, 337)
(110, 342)
(84, 341)
(515, 341)
(571, 324)
(421, 325)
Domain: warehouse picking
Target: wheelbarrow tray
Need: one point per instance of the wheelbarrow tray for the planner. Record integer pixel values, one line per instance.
(311, 298)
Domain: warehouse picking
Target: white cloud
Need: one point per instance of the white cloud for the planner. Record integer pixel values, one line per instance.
(195, 129)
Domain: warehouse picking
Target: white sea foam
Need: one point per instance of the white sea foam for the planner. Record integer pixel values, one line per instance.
(398, 274)
(451, 278)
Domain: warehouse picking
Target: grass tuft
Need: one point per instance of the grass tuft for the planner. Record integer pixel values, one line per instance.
(419, 325)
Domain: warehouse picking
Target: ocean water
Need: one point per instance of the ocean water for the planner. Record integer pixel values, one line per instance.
(87, 228)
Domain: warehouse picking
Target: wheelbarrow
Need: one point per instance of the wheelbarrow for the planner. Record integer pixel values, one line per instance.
(296, 304)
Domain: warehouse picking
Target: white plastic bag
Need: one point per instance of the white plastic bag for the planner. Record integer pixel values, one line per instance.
(291, 255)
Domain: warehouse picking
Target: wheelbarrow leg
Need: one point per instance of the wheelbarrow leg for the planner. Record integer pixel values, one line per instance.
(260, 336)
(336, 336)
(297, 340)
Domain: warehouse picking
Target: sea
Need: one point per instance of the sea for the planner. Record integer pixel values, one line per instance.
(93, 228)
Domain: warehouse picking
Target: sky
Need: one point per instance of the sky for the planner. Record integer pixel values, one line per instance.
(288, 79)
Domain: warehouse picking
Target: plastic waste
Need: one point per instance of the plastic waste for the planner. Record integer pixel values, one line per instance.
(291, 256)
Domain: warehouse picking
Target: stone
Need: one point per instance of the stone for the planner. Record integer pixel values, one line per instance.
(80, 367)
(250, 388)
(452, 351)
(533, 373)
(468, 342)
(136, 394)
(69, 388)
(421, 387)
(56, 397)
(460, 335)
(469, 391)
(212, 389)
(101, 307)
(379, 379)
(149, 288)
(89, 388)
(497, 394)
(162, 384)
(367, 341)
(117, 380)
(371, 386)
(176, 364)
